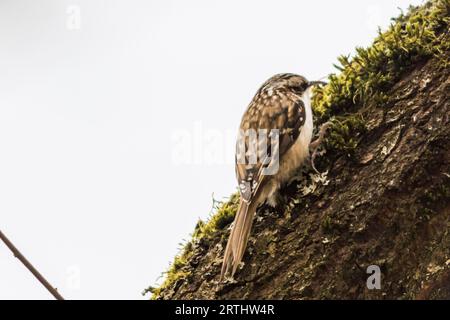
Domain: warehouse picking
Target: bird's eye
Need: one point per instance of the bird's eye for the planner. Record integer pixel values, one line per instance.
(301, 86)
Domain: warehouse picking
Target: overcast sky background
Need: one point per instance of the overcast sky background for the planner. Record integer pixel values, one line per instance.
(118, 119)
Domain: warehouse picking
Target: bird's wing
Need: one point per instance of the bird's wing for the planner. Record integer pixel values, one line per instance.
(282, 111)
(279, 110)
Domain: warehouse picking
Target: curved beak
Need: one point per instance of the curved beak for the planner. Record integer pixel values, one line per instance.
(316, 83)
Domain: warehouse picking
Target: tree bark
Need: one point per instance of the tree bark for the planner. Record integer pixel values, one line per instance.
(386, 205)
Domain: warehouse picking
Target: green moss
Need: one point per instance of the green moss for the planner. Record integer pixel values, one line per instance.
(345, 133)
(222, 218)
(365, 79)
(179, 269)
(372, 71)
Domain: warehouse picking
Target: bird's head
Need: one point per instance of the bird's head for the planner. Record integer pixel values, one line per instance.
(290, 81)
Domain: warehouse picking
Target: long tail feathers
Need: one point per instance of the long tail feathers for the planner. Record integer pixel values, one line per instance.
(238, 239)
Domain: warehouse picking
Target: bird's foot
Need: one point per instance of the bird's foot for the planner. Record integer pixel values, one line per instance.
(273, 200)
(276, 202)
(314, 146)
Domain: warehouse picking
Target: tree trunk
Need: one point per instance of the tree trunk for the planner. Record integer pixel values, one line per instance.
(386, 205)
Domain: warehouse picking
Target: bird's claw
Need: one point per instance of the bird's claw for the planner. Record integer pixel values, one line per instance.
(314, 146)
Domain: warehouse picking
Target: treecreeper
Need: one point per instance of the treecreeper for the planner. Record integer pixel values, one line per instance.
(274, 140)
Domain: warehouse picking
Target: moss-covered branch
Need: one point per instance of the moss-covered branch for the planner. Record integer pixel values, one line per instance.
(363, 80)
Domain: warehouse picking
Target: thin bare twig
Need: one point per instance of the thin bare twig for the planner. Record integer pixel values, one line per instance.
(30, 267)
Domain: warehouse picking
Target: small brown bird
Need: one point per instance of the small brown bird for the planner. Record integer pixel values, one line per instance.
(279, 112)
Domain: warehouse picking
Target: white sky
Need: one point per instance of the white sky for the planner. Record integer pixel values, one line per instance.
(117, 124)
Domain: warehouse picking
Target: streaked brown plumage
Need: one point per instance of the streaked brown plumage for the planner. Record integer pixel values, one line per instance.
(282, 104)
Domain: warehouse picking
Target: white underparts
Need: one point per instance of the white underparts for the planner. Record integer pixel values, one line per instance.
(293, 158)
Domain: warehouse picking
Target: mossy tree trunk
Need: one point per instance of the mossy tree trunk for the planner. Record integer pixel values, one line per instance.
(386, 204)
